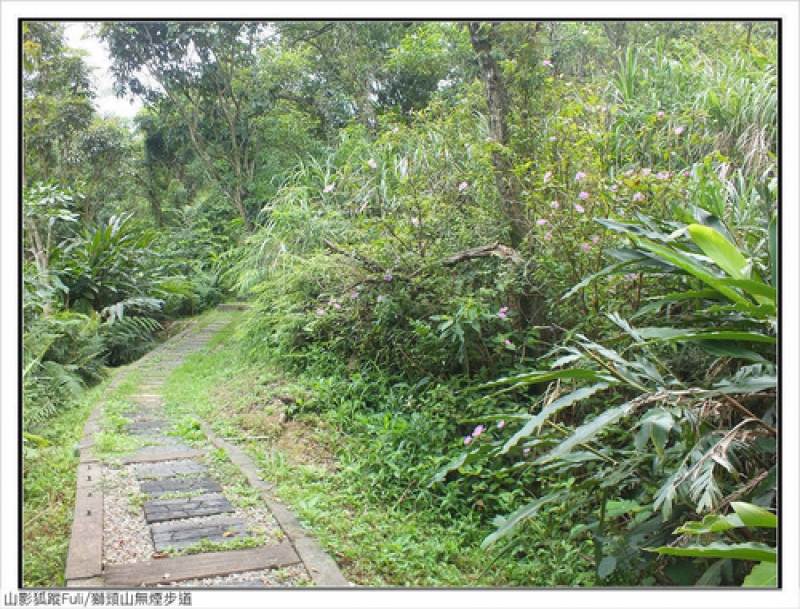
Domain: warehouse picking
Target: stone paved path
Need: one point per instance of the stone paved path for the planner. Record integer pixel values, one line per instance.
(136, 515)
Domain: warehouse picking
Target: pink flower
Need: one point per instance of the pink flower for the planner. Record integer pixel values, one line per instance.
(542, 222)
(586, 247)
(661, 175)
(660, 114)
(489, 140)
(354, 295)
(501, 424)
(372, 163)
(329, 187)
(638, 197)
(478, 431)
(525, 451)
(579, 176)
(555, 205)
(467, 440)
(507, 342)
(632, 276)
(579, 208)
(547, 62)
(337, 306)
(415, 221)
(584, 195)
(614, 188)
(646, 171)
(501, 315)
(320, 312)
(629, 173)
(686, 174)
(381, 298)
(387, 277)
(679, 130)
(552, 138)
(547, 177)
(463, 186)
(595, 240)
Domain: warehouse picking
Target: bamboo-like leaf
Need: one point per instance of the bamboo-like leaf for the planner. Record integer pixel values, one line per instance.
(586, 433)
(742, 551)
(545, 376)
(763, 575)
(763, 382)
(514, 520)
(538, 420)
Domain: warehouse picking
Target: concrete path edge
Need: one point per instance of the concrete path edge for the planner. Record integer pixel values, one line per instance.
(320, 566)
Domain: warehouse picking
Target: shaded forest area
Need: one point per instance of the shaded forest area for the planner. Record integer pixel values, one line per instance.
(527, 271)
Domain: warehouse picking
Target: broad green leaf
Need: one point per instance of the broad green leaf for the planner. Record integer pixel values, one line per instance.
(726, 255)
(713, 523)
(606, 567)
(773, 249)
(754, 516)
(677, 334)
(615, 509)
(754, 288)
(742, 551)
(695, 268)
(763, 575)
(724, 349)
(713, 575)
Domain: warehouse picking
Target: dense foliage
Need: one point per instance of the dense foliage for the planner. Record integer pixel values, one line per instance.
(529, 267)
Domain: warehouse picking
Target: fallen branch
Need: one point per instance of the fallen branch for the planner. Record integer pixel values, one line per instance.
(493, 249)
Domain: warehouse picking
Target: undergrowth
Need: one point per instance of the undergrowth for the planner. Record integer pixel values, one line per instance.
(48, 494)
(353, 458)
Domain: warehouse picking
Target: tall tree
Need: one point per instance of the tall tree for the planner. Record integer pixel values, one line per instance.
(56, 102)
(204, 70)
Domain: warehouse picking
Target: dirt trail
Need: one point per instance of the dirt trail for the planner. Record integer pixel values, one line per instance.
(169, 512)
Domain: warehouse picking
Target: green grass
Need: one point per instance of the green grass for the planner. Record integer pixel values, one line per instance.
(379, 538)
(48, 486)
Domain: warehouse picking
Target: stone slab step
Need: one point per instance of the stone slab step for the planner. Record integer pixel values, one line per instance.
(159, 440)
(182, 534)
(147, 427)
(150, 454)
(161, 510)
(156, 488)
(169, 469)
(199, 566)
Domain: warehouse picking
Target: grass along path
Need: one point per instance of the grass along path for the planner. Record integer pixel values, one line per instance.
(319, 469)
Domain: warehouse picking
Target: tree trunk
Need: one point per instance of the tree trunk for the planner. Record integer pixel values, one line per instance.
(531, 305)
(497, 101)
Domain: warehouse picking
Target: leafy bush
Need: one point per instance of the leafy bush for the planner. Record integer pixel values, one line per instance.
(686, 452)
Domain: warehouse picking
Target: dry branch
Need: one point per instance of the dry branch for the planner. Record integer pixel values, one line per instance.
(492, 249)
